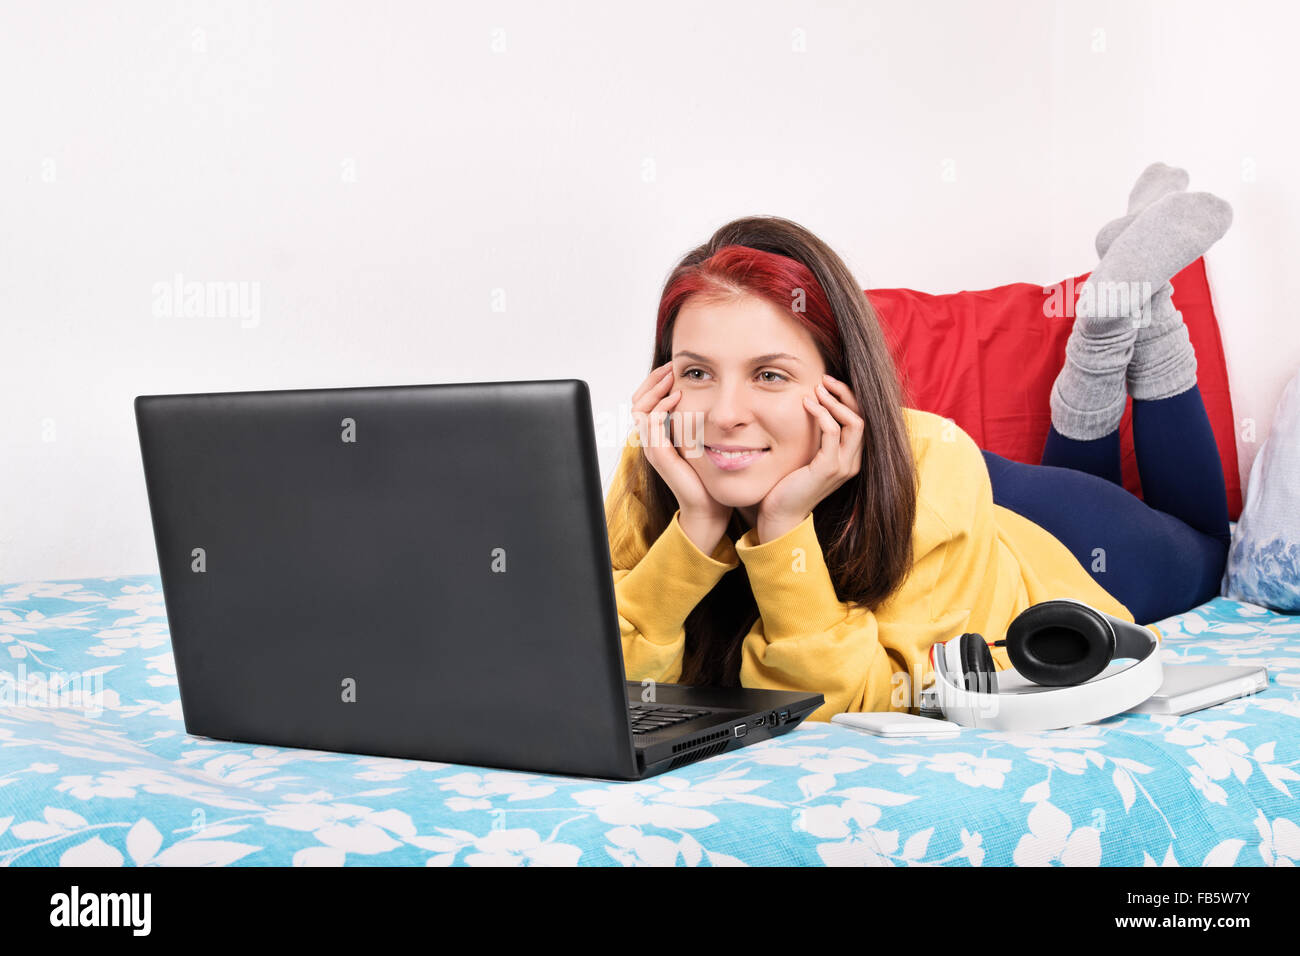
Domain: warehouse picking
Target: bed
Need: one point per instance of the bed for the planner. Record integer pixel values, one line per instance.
(127, 786)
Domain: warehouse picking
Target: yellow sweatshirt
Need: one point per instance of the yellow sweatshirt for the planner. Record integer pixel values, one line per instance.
(976, 566)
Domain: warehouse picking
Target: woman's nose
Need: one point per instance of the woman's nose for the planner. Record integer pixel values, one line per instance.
(729, 406)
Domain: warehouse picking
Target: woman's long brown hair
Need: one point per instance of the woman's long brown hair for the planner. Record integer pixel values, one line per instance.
(865, 525)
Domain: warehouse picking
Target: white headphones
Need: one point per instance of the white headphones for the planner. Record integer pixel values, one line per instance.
(1062, 644)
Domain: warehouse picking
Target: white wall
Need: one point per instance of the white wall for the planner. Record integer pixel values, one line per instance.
(382, 172)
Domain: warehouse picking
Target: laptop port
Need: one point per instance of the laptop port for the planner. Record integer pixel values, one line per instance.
(785, 716)
(771, 719)
(740, 730)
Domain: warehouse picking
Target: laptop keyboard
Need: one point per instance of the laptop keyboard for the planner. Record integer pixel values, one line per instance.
(647, 718)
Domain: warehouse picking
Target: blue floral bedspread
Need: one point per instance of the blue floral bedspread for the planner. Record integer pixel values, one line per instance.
(128, 786)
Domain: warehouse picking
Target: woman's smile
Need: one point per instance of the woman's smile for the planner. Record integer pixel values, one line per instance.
(734, 459)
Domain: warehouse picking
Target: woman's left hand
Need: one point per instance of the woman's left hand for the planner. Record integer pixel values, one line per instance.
(793, 498)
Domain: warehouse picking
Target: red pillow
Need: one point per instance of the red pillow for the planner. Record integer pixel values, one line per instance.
(988, 359)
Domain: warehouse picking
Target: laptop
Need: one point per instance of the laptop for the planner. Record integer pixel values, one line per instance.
(415, 571)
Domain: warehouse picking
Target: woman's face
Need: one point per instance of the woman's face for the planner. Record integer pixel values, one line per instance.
(737, 393)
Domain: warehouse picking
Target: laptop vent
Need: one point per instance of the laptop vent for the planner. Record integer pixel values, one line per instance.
(700, 754)
(698, 741)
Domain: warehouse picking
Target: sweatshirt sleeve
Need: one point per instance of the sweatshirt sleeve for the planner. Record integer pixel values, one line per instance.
(806, 639)
(655, 598)
(656, 586)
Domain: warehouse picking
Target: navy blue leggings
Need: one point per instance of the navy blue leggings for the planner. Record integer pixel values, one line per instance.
(1158, 557)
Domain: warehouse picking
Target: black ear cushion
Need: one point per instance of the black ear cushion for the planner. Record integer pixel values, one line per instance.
(977, 665)
(1059, 643)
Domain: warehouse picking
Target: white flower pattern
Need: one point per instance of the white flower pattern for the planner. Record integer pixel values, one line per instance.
(126, 786)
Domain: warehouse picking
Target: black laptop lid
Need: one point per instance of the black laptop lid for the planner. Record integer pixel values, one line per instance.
(417, 571)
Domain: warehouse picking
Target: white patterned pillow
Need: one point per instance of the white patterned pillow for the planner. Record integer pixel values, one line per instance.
(1264, 560)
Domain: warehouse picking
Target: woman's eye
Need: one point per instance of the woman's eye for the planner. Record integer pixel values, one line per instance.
(779, 377)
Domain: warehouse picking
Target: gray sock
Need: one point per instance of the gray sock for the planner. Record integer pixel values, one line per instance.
(1163, 362)
(1155, 181)
(1088, 396)
(1165, 238)
(1090, 392)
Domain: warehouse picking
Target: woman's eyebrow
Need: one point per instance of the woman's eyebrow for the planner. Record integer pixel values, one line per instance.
(757, 360)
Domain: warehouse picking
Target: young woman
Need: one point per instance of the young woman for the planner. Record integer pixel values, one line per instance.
(779, 518)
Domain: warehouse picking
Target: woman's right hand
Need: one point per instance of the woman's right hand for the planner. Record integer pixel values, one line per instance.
(651, 405)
